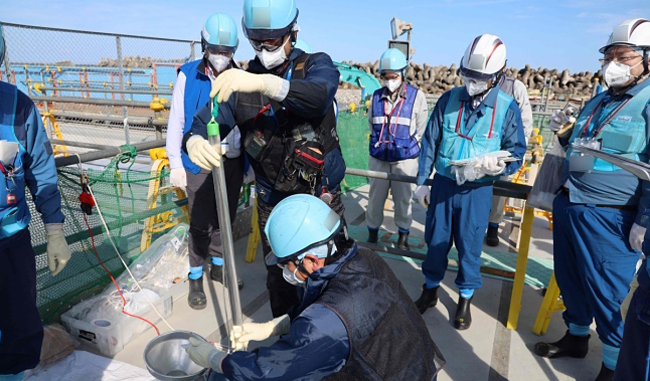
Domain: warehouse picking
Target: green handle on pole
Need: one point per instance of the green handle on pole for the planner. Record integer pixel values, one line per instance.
(213, 126)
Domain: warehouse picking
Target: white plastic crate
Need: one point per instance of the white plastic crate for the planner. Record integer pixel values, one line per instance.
(109, 335)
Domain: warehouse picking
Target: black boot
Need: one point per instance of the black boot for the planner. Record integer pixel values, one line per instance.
(403, 241)
(373, 236)
(492, 237)
(216, 274)
(196, 298)
(463, 318)
(605, 374)
(428, 299)
(569, 345)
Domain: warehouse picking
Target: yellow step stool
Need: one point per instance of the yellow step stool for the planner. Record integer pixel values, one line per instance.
(550, 304)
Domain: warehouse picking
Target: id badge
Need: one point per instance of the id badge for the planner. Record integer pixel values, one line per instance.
(579, 162)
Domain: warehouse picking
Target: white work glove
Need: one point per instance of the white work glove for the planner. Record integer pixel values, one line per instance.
(178, 178)
(249, 176)
(491, 165)
(423, 195)
(240, 81)
(626, 303)
(561, 118)
(202, 153)
(231, 144)
(241, 335)
(636, 237)
(58, 251)
(205, 354)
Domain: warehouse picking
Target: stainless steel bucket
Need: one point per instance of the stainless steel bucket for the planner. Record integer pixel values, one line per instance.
(167, 360)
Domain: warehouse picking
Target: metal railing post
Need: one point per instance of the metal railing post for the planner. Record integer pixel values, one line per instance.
(120, 64)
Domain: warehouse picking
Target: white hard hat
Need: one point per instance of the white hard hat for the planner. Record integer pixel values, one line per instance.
(484, 57)
(634, 33)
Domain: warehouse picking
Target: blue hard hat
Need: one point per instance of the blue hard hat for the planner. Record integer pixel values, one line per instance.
(298, 223)
(303, 45)
(392, 60)
(268, 19)
(220, 34)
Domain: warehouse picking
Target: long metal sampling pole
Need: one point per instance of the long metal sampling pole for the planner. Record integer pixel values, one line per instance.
(227, 243)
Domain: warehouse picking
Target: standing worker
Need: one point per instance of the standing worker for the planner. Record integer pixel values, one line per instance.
(467, 123)
(517, 90)
(284, 107)
(219, 42)
(355, 320)
(397, 117)
(26, 160)
(600, 212)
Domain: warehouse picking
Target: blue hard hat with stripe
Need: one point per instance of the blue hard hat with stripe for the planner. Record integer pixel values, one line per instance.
(268, 19)
(392, 60)
(298, 223)
(220, 33)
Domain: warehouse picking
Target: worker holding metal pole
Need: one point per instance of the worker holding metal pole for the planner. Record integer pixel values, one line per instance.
(471, 123)
(219, 42)
(284, 107)
(355, 321)
(26, 162)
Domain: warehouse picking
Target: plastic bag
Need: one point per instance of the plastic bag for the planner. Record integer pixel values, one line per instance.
(470, 171)
(549, 178)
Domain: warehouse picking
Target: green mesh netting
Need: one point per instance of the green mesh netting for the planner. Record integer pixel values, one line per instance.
(122, 196)
(354, 136)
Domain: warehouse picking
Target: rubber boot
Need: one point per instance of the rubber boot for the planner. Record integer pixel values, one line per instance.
(492, 237)
(428, 299)
(216, 274)
(403, 241)
(196, 298)
(568, 346)
(463, 319)
(373, 236)
(605, 374)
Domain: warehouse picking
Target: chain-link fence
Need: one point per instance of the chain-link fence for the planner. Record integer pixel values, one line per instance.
(98, 86)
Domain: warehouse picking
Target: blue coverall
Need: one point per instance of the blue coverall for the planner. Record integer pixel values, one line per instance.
(21, 330)
(594, 263)
(459, 213)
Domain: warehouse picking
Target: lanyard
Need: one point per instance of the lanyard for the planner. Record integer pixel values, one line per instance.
(609, 119)
(390, 123)
(268, 106)
(460, 119)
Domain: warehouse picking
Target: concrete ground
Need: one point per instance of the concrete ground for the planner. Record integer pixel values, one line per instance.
(485, 352)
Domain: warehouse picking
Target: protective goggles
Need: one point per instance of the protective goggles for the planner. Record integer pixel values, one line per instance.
(271, 259)
(219, 49)
(268, 45)
(471, 74)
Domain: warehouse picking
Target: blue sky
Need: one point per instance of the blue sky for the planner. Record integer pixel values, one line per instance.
(553, 33)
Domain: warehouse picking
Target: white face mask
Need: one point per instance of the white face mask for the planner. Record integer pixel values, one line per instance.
(617, 74)
(475, 87)
(273, 59)
(392, 84)
(292, 277)
(218, 62)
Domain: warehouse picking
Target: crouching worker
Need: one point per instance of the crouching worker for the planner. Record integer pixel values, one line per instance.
(354, 314)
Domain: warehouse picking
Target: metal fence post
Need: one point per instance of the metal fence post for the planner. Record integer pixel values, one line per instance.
(120, 64)
(192, 52)
(7, 66)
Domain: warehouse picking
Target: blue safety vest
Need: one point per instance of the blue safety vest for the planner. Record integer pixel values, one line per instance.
(624, 132)
(391, 138)
(14, 216)
(197, 95)
(483, 137)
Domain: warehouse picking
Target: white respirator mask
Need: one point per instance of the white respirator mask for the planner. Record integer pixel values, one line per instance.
(475, 87)
(292, 277)
(617, 74)
(271, 60)
(218, 62)
(393, 84)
